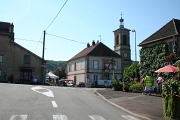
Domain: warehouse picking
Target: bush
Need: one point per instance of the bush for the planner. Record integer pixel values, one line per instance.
(116, 85)
(171, 99)
(136, 87)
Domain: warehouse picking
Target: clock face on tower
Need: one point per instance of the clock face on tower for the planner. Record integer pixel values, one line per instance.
(125, 55)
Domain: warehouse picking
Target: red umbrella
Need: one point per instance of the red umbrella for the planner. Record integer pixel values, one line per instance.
(168, 68)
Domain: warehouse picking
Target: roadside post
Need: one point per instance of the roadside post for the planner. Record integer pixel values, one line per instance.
(106, 71)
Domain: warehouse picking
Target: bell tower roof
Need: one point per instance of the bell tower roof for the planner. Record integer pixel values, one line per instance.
(121, 22)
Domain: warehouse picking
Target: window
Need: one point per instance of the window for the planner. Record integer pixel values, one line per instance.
(82, 65)
(26, 73)
(124, 40)
(27, 59)
(75, 66)
(171, 47)
(69, 68)
(0, 72)
(95, 64)
(1, 58)
(117, 40)
(115, 66)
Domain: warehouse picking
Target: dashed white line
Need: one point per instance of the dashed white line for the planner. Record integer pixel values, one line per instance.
(54, 104)
(22, 117)
(60, 117)
(128, 117)
(96, 117)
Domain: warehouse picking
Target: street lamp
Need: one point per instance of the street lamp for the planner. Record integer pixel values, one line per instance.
(135, 54)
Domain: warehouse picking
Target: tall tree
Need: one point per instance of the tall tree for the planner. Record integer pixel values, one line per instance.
(60, 72)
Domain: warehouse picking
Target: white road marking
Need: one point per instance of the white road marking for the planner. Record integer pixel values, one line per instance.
(96, 117)
(54, 104)
(60, 117)
(128, 117)
(64, 88)
(20, 117)
(49, 93)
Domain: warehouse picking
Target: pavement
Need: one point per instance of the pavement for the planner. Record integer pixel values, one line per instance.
(144, 107)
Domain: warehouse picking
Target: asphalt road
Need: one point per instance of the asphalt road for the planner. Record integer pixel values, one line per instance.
(28, 102)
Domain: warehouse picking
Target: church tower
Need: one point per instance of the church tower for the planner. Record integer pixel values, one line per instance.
(122, 43)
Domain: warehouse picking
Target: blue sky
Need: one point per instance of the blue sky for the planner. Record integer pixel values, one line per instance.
(83, 21)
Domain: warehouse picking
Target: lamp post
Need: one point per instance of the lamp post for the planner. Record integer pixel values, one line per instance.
(135, 54)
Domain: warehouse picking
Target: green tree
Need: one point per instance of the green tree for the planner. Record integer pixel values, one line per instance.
(129, 72)
(60, 72)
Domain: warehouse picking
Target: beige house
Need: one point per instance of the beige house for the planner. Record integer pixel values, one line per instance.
(16, 60)
(161, 48)
(169, 33)
(90, 64)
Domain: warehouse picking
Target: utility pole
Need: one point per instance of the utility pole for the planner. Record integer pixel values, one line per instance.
(112, 63)
(42, 66)
(43, 47)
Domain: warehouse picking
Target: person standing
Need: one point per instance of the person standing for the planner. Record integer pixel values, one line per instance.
(143, 83)
(159, 82)
(148, 84)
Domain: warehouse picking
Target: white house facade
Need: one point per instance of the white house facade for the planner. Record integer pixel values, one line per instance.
(89, 64)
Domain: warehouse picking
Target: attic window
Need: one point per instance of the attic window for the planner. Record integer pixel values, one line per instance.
(27, 59)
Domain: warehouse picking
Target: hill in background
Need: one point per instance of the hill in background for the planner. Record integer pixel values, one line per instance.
(51, 65)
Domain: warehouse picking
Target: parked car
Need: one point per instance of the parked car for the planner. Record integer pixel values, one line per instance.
(80, 84)
(47, 82)
(70, 84)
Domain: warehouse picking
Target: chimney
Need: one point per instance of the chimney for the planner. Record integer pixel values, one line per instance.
(12, 31)
(88, 45)
(11, 28)
(97, 41)
(93, 43)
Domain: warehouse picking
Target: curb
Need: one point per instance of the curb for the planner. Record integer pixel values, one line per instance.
(120, 107)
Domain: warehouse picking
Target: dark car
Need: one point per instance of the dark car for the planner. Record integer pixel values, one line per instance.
(80, 84)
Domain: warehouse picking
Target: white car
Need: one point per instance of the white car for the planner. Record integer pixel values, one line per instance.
(70, 84)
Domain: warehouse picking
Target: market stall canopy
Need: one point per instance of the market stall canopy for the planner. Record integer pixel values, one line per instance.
(168, 68)
(51, 75)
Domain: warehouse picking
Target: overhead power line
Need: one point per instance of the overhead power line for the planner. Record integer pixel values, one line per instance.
(65, 38)
(27, 40)
(38, 42)
(56, 15)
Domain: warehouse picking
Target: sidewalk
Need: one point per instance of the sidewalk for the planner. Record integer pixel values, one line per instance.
(142, 106)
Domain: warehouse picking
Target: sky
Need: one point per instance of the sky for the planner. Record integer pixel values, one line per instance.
(81, 21)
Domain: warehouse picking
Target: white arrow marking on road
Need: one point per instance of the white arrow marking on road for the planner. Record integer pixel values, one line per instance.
(49, 93)
(128, 117)
(60, 117)
(20, 117)
(96, 117)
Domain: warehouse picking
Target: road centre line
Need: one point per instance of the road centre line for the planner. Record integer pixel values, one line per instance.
(54, 104)
(60, 117)
(96, 117)
(128, 117)
(23, 117)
